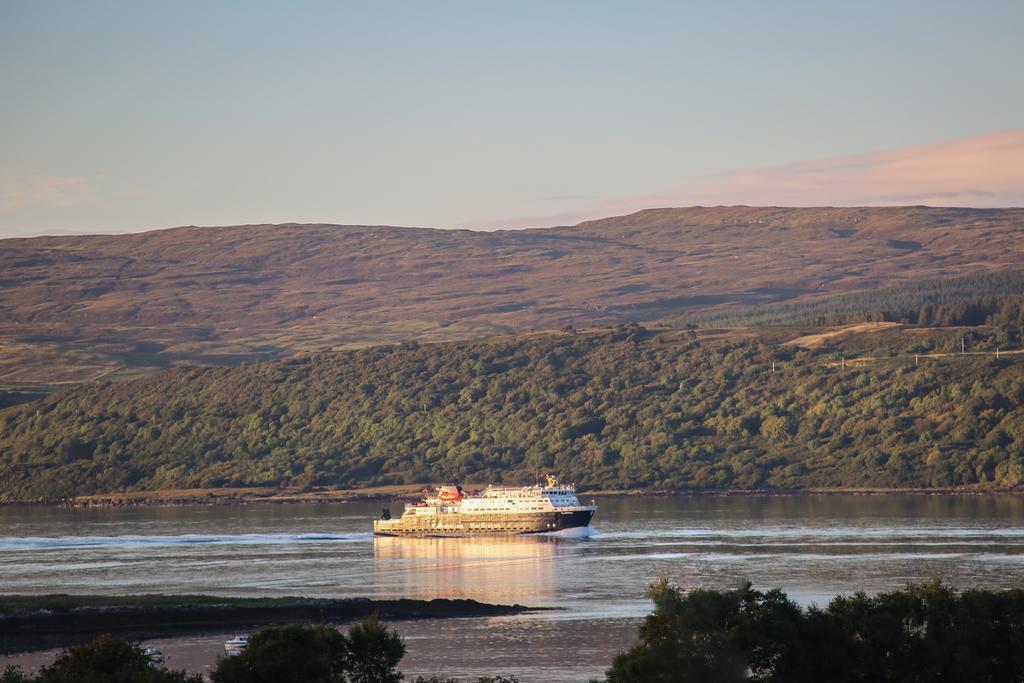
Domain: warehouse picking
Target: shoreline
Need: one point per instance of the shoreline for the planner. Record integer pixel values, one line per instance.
(401, 493)
(38, 624)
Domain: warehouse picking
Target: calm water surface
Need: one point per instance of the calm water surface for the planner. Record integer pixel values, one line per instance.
(813, 547)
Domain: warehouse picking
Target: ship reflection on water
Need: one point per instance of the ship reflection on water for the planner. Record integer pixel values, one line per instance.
(506, 570)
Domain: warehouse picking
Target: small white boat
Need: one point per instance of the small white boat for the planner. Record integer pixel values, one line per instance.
(237, 645)
(153, 654)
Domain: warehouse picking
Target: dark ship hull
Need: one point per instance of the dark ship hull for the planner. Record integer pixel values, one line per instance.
(497, 524)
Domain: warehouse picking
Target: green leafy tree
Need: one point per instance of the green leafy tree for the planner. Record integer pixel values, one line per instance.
(689, 637)
(374, 651)
(484, 679)
(289, 654)
(922, 633)
(105, 660)
(316, 654)
(14, 674)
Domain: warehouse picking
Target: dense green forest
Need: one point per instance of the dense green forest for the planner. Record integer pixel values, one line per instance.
(993, 299)
(624, 408)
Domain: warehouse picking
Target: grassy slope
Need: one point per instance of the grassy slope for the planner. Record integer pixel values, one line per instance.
(76, 308)
(615, 409)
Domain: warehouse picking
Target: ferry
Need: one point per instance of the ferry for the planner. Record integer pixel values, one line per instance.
(497, 511)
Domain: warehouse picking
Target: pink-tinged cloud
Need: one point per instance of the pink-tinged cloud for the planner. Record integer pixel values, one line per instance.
(18, 191)
(984, 171)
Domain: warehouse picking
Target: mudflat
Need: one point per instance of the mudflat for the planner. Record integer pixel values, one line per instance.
(29, 623)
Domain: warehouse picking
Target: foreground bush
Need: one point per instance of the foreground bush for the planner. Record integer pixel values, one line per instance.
(921, 633)
(289, 654)
(105, 660)
(317, 654)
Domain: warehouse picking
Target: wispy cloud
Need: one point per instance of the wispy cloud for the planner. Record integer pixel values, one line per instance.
(979, 171)
(30, 190)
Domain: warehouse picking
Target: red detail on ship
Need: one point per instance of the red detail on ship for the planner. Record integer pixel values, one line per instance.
(450, 494)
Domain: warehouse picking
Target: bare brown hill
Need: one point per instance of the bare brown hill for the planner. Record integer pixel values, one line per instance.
(73, 308)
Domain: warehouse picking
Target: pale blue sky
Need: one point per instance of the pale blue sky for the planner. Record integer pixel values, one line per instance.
(136, 115)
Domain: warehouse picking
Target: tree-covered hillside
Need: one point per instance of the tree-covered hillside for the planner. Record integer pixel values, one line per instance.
(992, 298)
(623, 408)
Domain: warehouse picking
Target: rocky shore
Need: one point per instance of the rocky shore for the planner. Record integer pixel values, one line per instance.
(391, 494)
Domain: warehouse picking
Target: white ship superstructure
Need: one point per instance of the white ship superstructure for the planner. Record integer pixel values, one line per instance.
(498, 510)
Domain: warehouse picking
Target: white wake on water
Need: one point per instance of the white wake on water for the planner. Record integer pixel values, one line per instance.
(576, 532)
(44, 543)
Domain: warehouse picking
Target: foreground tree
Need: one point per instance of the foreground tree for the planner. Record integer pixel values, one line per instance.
(688, 637)
(289, 654)
(374, 651)
(14, 674)
(317, 654)
(105, 660)
(485, 679)
(922, 633)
